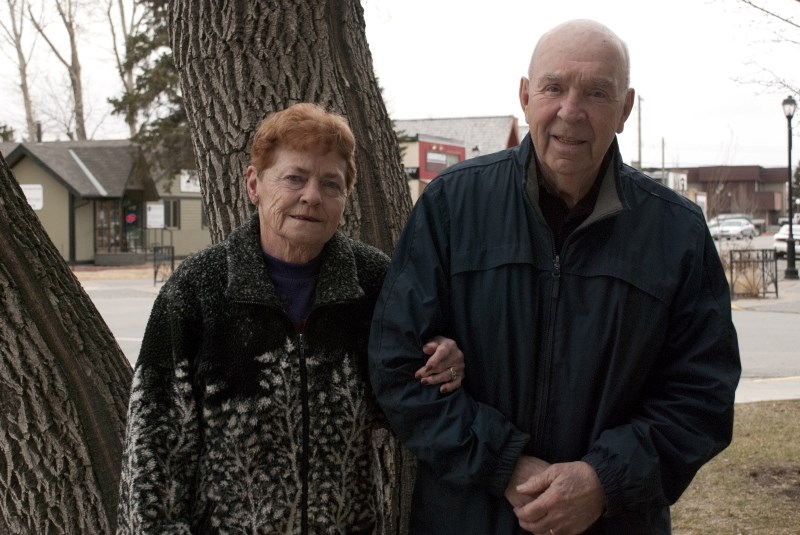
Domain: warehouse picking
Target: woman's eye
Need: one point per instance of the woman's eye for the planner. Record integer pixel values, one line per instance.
(294, 180)
(332, 186)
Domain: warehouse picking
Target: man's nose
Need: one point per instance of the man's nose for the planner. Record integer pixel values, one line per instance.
(572, 107)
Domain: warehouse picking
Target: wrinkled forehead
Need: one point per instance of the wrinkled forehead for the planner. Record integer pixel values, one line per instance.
(581, 42)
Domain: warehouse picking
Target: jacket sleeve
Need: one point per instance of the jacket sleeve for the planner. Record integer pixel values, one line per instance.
(162, 436)
(463, 441)
(686, 415)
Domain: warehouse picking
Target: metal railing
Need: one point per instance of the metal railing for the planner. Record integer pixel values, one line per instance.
(753, 272)
(163, 263)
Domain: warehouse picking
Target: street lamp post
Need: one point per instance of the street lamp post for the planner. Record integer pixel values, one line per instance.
(789, 107)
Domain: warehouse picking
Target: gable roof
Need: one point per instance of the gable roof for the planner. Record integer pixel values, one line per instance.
(88, 169)
(488, 134)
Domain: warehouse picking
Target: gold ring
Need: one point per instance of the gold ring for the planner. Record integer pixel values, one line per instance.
(453, 374)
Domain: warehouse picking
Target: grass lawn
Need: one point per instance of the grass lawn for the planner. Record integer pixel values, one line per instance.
(753, 487)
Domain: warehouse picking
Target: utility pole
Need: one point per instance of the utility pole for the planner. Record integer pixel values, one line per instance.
(639, 119)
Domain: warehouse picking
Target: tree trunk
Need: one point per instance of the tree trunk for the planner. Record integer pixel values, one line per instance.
(239, 61)
(63, 387)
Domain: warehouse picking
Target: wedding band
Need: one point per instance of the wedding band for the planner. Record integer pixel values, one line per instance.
(453, 374)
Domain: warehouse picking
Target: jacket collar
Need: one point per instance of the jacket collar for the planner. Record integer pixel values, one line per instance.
(248, 278)
(610, 199)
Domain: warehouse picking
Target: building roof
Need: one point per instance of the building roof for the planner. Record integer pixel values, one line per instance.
(480, 135)
(89, 169)
(736, 173)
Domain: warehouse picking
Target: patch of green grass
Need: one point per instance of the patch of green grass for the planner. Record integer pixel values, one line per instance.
(753, 487)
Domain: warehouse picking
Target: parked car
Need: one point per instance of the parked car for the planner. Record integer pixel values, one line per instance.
(782, 236)
(785, 220)
(716, 221)
(736, 229)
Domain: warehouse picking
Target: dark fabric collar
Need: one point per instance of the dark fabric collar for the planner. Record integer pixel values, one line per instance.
(610, 197)
(248, 280)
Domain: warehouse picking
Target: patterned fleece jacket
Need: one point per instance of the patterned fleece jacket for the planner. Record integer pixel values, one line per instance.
(237, 424)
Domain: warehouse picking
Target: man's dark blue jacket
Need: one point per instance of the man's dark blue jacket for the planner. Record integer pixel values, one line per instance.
(618, 349)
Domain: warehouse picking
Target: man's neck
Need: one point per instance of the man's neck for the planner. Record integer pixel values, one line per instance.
(568, 189)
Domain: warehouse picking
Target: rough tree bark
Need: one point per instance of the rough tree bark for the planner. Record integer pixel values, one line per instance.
(264, 56)
(64, 387)
(240, 60)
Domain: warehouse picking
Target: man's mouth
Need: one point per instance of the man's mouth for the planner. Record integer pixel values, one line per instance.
(568, 140)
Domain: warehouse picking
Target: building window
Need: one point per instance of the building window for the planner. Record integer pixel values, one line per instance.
(436, 162)
(172, 213)
(108, 229)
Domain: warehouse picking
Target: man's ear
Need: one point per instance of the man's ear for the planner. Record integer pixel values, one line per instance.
(523, 93)
(630, 95)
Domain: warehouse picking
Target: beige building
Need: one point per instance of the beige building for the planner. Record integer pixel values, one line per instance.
(98, 205)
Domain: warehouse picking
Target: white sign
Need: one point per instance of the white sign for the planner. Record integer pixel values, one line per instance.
(155, 215)
(34, 193)
(190, 183)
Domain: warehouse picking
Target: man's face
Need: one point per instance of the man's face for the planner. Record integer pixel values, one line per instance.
(575, 101)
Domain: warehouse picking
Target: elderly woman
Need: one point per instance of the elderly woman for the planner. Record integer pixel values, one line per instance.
(250, 409)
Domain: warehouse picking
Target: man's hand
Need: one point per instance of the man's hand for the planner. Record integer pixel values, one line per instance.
(566, 497)
(445, 365)
(526, 469)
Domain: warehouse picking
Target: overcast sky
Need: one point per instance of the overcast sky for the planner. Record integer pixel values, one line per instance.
(456, 58)
(451, 59)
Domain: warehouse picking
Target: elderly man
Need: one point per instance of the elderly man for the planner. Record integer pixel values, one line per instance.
(593, 313)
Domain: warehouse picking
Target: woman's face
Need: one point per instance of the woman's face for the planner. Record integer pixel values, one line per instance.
(300, 200)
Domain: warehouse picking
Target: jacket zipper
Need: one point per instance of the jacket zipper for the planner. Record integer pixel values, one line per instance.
(546, 371)
(304, 455)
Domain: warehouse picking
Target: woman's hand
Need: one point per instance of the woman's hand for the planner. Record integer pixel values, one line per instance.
(444, 367)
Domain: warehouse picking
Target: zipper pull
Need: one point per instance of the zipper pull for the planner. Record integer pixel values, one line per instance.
(556, 275)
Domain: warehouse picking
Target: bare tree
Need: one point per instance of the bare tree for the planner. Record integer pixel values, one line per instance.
(67, 12)
(788, 32)
(63, 387)
(125, 30)
(13, 28)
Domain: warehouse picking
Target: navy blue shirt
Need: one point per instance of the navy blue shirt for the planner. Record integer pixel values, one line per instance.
(295, 284)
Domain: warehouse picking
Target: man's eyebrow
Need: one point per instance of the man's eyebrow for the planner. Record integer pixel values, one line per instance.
(548, 79)
(602, 82)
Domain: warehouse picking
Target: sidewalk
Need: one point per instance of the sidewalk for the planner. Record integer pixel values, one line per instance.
(788, 299)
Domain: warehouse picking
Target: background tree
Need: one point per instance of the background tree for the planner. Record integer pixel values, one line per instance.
(67, 11)
(156, 96)
(64, 386)
(127, 32)
(6, 133)
(13, 28)
(241, 60)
